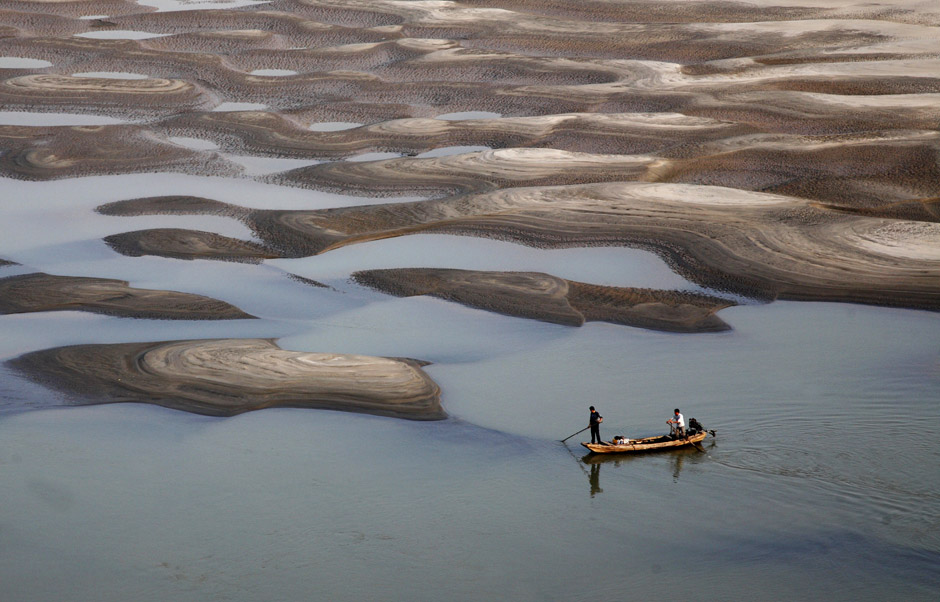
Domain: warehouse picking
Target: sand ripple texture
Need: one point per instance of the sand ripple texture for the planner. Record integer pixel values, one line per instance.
(232, 376)
(102, 94)
(756, 244)
(772, 148)
(45, 292)
(833, 104)
(552, 299)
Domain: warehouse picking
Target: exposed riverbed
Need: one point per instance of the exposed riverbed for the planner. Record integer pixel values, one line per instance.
(250, 157)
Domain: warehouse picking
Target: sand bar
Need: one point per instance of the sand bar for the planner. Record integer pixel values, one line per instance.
(762, 245)
(45, 292)
(231, 376)
(552, 299)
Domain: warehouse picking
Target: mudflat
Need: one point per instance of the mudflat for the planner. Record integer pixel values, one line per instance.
(552, 299)
(45, 292)
(765, 152)
(231, 376)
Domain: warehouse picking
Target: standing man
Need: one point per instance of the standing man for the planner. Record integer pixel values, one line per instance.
(596, 420)
(678, 424)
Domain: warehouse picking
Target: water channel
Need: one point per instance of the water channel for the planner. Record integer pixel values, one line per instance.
(821, 482)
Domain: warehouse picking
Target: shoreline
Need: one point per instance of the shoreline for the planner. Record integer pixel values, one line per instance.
(772, 152)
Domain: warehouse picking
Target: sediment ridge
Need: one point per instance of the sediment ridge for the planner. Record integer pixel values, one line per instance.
(757, 244)
(777, 152)
(226, 377)
(39, 292)
(551, 299)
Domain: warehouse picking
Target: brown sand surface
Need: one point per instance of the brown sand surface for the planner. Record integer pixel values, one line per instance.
(45, 292)
(841, 170)
(76, 8)
(552, 299)
(270, 134)
(773, 148)
(758, 244)
(483, 170)
(231, 376)
(66, 152)
(187, 244)
(102, 94)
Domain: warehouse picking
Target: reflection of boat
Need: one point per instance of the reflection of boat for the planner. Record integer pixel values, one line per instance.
(647, 444)
(677, 455)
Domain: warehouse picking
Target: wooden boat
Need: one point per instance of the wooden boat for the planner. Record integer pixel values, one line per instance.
(648, 444)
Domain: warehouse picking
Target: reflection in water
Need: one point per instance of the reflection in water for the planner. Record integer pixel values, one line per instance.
(594, 476)
(675, 460)
(677, 468)
(595, 479)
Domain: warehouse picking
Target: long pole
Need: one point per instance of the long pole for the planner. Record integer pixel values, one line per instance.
(573, 434)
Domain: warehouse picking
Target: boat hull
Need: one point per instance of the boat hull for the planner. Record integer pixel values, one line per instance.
(649, 444)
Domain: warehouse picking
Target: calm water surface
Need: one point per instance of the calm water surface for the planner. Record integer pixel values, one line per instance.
(821, 484)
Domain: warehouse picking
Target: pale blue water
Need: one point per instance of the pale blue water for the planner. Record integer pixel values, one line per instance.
(120, 34)
(333, 126)
(240, 106)
(178, 5)
(18, 62)
(821, 484)
(451, 150)
(46, 119)
(273, 72)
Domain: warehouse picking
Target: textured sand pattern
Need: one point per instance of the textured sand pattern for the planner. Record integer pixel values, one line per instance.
(232, 376)
(758, 244)
(45, 292)
(775, 149)
(551, 299)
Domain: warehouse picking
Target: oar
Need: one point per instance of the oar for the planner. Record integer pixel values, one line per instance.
(573, 434)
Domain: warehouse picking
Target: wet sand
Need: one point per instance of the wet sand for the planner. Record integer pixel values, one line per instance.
(232, 376)
(770, 149)
(551, 299)
(45, 292)
(756, 244)
(186, 244)
(782, 152)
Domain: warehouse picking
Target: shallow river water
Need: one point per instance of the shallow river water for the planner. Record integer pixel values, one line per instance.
(822, 482)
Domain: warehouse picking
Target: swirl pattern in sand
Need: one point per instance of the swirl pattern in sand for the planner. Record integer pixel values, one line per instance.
(231, 376)
(786, 151)
(45, 292)
(763, 245)
(187, 244)
(128, 96)
(552, 299)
